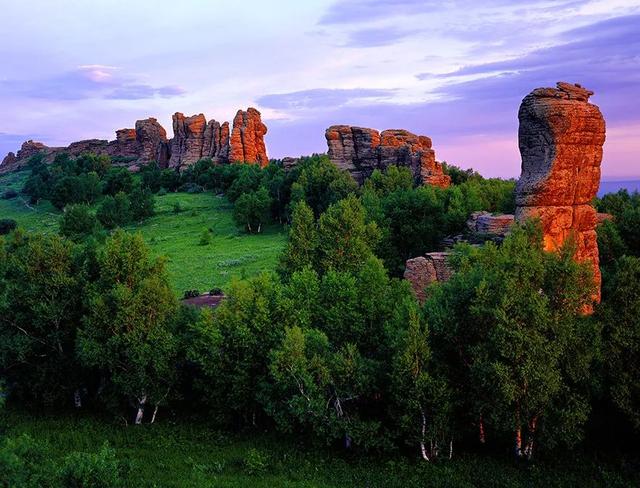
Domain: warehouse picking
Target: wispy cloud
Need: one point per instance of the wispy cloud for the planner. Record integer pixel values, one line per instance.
(322, 98)
(85, 82)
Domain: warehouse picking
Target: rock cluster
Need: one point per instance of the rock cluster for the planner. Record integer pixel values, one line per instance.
(193, 140)
(424, 270)
(560, 137)
(360, 151)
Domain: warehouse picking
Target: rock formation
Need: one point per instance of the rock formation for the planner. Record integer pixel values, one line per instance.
(560, 137)
(193, 140)
(488, 224)
(424, 270)
(247, 138)
(188, 139)
(360, 151)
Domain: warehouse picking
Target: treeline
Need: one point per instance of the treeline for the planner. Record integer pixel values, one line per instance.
(333, 346)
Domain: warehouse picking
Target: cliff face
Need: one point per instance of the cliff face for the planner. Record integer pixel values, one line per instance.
(361, 150)
(560, 137)
(193, 140)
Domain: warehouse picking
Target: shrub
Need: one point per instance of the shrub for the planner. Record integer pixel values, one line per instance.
(118, 180)
(177, 208)
(78, 222)
(191, 188)
(142, 203)
(23, 463)
(216, 292)
(162, 192)
(95, 470)
(9, 194)
(7, 225)
(114, 211)
(255, 461)
(205, 237)
(191, 294)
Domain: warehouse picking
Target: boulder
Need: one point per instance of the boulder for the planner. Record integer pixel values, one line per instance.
(486, 223)
(561, 136)
(427, 269)
(360, 151)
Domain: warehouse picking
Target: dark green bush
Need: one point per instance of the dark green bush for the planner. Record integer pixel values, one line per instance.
(7, 225)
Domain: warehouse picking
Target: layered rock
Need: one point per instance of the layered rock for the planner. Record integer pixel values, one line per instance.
(486, 223)
(560, 137)
(361, 150)
(188, 139)
(427, 269)
(247, 138)
(193, 140)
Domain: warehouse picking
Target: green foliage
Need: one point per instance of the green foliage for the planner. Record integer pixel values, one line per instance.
(78, 222)
(142, 203)
(256, 462)
(7, 225)
(302, 247)
(205, 237)
(509, 329)
(459, 175)
(251, 210)
(620, 312)
(95, 470)
(320, 184)
(625, 209)
(114, 211)
(126, 333)
(24, 464)
(118, 180)
(41, 282)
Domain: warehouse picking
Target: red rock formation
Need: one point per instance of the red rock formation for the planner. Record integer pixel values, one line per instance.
(216, 142)
(188, 139)
(247, 138)
(8, 162)
(561, 136)
(152, 142)
(427, 269)
(360, 151)
(486, 223)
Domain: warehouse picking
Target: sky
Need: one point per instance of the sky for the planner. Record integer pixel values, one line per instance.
(454, 70)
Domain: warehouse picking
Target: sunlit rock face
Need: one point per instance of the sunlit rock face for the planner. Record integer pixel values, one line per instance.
(360, 151)
(247, 138)
(194, 139)
(561, 136)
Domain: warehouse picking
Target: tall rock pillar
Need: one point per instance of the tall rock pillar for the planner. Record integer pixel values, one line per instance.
(560, 137)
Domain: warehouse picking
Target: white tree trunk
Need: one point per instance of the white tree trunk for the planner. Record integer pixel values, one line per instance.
(423, 449)
(77, 399)
(450, 448)
(155, 412)
(141, 404)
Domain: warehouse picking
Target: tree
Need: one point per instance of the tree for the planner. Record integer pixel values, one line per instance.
(114, 211)
(118, 180)
(302, 246)
(620, 312)
(41, 283)
(251, 210)
(345, 240)
(127, 333)
(231, 347)
(142, 203)
(509, 328)
(78, 222)
(421, 398)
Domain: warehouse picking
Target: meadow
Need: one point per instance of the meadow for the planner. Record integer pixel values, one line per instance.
(180, 454)
(175, 232)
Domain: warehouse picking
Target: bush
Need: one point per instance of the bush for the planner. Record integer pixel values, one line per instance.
(191, 188)
(78, 222)
(216, 292)
(23, 464)
(190, 294)
(177, 208)
(118, 180)
(95, 470)
(115, 211)
(7, 225)
(162, 192)
(142, 203)
(205, 237)
(9, 194)
(255, 461)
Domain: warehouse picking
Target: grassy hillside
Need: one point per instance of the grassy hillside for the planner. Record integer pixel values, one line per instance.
(176, 235)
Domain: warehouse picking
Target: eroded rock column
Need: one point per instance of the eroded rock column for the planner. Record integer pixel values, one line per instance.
(560, 137)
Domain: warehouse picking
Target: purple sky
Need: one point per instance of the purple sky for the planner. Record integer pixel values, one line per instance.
(454, 70)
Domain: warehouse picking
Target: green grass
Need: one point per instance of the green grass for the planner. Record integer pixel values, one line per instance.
(169, 454)
(231, 253)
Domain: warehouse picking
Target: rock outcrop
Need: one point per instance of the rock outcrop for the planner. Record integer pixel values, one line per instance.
(560, 137)
(488, 224)
(247, 138)
(360, 151)
(193, 140)
(427, 269)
